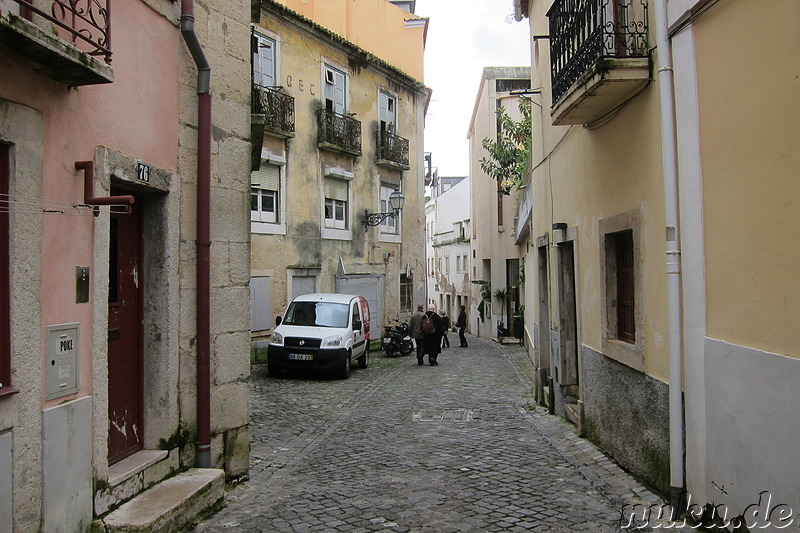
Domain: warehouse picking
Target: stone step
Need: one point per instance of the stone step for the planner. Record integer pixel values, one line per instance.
(172, 504)
(574, 412)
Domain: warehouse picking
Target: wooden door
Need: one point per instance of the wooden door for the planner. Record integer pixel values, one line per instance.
(125, 360)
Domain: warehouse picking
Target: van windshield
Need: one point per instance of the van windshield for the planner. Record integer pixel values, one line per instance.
(319, 314)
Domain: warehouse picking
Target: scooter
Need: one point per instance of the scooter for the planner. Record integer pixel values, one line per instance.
(396, 339)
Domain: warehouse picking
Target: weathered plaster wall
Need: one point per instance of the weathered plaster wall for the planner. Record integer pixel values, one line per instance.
(20, 414)
(307, 245)
(621, 403)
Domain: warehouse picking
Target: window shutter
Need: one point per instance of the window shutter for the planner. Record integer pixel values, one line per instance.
(340, 91)
(268, 177)
(336, 189)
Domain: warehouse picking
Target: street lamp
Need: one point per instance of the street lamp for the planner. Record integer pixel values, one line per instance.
(396, 200)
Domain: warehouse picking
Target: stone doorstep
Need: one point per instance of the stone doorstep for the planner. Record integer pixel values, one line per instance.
(172, 504)
(131, 466)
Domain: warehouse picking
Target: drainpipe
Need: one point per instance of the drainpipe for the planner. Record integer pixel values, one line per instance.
(669, 158)
(203, 239)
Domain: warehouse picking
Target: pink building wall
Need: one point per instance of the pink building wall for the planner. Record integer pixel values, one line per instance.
(137, 115)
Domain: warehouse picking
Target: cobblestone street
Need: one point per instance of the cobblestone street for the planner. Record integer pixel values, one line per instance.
(408, 448)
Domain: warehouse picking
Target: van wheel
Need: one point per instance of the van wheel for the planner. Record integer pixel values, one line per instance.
(274, 370)
(344, 372)
(363, 361)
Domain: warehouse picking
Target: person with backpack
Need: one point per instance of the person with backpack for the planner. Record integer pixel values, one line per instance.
(415, 332)
(432, 335)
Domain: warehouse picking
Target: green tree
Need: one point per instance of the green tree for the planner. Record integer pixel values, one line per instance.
(509, 153)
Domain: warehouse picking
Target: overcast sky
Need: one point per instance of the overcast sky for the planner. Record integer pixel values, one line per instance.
(463, 37)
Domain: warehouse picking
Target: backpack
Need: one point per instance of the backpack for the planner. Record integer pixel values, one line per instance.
(427, 325)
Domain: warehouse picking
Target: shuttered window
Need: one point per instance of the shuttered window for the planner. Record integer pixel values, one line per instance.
(387, 110)
(268, 177)
(264, 60)
(335, 90)
(265, 194)
(335, 203)
(626, 323)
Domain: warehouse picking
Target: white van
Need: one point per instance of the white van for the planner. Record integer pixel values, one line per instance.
(321, 331)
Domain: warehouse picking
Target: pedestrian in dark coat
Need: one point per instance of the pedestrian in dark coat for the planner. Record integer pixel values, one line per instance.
(433, 341)
(445, 328)
(461, 324)
(415, 332)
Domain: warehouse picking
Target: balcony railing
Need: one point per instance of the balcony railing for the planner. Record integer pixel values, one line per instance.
(392, 149)
(339, 132)
(584, 32)
(85, 23)
(277, 108)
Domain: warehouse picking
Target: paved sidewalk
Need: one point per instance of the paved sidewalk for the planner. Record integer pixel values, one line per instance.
(407, 448)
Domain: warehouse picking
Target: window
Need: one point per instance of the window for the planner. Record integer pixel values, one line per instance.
(265, 194)
(406, 296)
(335, 203)
(5, 274)
(387, 109)
(623, 258)
(264, 61)
(389, 224)
(335, 90)
(458, 263)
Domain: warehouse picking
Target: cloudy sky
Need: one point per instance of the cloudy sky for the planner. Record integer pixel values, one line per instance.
(463, 37)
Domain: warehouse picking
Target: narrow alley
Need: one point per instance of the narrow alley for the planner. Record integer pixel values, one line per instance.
(408, 448)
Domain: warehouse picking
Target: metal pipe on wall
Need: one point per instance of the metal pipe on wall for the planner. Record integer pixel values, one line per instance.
(203, 238)
(669, 157)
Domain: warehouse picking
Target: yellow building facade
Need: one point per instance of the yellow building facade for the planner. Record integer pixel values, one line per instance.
(604, 245)
(380, 27)
(341, 131)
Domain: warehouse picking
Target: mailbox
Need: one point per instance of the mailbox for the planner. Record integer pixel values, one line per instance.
(63, 341)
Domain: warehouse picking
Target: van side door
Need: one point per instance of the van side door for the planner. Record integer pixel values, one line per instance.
(357, 325)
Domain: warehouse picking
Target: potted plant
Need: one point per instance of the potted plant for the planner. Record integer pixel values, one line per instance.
(501, 295)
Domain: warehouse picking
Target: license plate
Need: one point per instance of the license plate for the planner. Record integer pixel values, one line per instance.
(301, 356)
(387, 341)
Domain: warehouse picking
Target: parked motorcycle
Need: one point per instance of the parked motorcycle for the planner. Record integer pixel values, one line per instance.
(396, 339)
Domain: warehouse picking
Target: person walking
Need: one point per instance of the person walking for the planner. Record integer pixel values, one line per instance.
(415, 331)
(445, 328)
(461, 324)
(432, 340)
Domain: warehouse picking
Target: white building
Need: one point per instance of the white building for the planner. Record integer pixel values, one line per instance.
(447, 246)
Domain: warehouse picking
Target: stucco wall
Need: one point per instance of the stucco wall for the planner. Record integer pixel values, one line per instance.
(747, 90)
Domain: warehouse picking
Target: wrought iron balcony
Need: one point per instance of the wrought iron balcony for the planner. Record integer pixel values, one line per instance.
(58, 35)
(392, 150)
(277, 108)
(598, 48)
(341, 133)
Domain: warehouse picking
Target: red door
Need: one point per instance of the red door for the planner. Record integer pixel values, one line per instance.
(125, 359)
